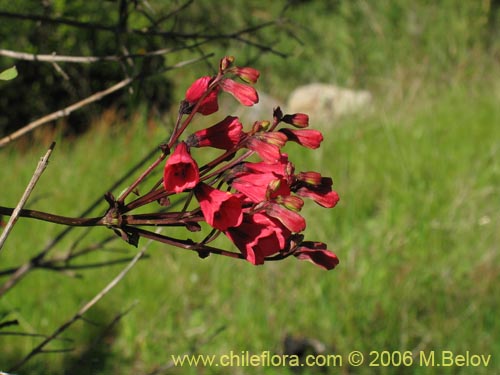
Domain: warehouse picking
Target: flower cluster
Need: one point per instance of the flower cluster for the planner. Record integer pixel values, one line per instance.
(256, 203)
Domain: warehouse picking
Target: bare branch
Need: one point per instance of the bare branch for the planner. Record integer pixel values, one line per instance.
(153, 31)
(20, 272)
(65, 111)
(92, 98)
(54, 58)
(42, 164)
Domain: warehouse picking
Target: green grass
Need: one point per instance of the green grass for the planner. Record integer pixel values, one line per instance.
(416, 229)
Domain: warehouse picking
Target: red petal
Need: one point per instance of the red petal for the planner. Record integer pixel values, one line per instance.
(220, 209)
(316, 252)
(245, 94)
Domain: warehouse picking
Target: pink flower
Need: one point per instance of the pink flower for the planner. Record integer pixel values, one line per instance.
(306, 137)
(181, 171)
(220, 209)
(245, 94)
(194, 93)
(322, 193)
(258, 236)
(299, 120)
(316, 252)
(223, 135)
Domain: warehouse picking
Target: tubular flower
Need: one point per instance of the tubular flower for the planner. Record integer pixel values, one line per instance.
(247, 74)
(220, 209)
(290, 219)
(316, 252)
(194, 93)
(267, 145)
(299, 120)
(322, 193)
(223, 135)
(309, 138)
(263, 181)
(312, 178)
(181, 171)
(258, 236)
(254, 186)
(245, 94)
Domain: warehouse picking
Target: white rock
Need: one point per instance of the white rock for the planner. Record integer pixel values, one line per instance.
(263, 110)
(325, 103)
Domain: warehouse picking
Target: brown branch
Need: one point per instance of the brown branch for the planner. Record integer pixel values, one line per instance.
(65, 111)
(81, 59)
(92, 98)
(42, 164)
(173, 35)
(21, 271)
(142, 32)
(56, 219)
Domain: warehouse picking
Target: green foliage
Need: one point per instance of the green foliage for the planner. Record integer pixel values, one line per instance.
(8, 74)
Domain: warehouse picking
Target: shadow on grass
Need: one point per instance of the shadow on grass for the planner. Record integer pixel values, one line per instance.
(94, 352)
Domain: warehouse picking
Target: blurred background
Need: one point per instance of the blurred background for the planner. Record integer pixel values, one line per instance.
(407, 94)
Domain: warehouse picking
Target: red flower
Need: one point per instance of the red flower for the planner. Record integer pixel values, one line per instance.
(263, 181)
(313, 178)
(254, 186)
(245, 94)
(306, 137)
(299, 120)
(267, 145)
(220, 209)
(194, 93)
(181, 171)
(290, 219)
(223, 135)
(247, 74)
(282, 168)
(317, 253)
(322, 193)
(258, 236)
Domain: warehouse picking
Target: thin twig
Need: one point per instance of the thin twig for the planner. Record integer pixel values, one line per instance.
(42, 164)
(65, 111)
(53, 58)
(143, 32)
(21, 271)
(92, 98)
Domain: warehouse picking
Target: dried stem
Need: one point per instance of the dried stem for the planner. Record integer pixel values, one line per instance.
(42, 164)
(54, 58)
(57, 219)
(92, 98)
(65, 111)
(21, 271)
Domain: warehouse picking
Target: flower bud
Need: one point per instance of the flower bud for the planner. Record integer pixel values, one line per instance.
(299, 120)
(226, 62)
(247, 74)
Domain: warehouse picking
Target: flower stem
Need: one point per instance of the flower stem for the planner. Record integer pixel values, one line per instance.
(45, 216)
